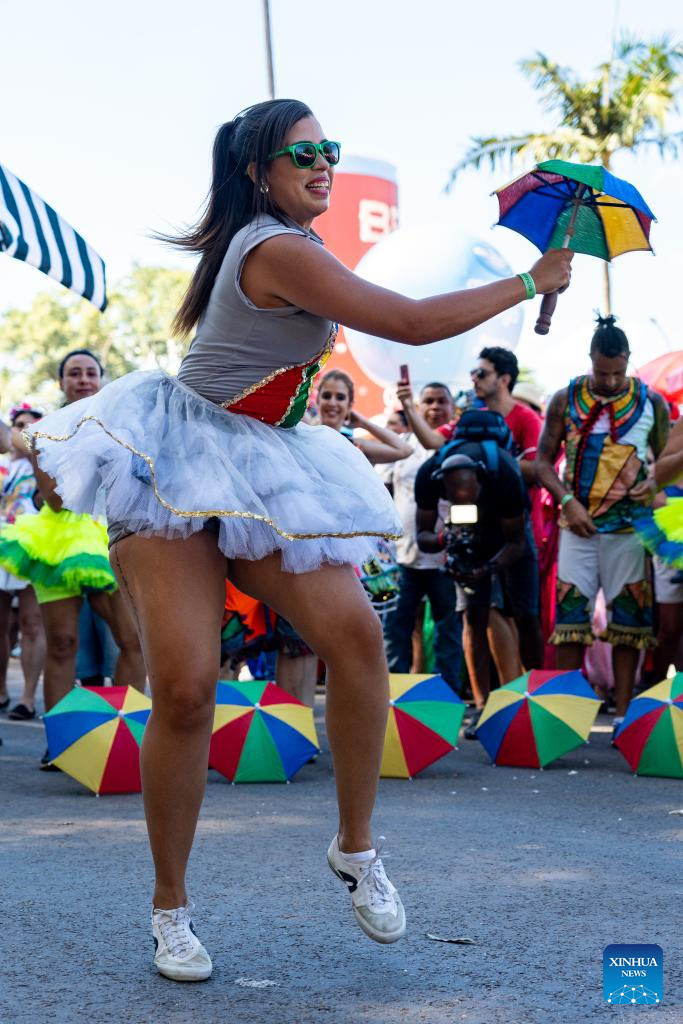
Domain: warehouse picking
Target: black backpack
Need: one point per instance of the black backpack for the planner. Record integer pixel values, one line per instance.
(484, 427)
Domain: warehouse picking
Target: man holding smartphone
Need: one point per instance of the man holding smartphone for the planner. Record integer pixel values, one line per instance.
(421, 574)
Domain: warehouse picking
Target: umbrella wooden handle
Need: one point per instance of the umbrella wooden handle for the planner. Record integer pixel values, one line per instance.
(546, 313)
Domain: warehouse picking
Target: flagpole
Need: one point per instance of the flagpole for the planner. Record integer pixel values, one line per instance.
(269, 49)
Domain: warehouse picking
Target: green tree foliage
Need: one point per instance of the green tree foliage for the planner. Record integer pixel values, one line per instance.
(133, 333)
(623, 106)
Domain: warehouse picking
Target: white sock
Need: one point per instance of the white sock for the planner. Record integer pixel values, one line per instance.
(359, 858)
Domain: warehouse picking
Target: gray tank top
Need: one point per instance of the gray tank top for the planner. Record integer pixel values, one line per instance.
(239, 346)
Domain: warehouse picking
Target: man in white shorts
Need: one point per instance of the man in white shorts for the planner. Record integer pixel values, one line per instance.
(606, 421)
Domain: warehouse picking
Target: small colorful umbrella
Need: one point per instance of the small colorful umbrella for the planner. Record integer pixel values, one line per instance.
(260, 733)
(651, 737)
(425, 716)
(537, 718)
(582, 207)
(94, 735)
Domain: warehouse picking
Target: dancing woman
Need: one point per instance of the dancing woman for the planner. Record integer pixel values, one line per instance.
(209, 472)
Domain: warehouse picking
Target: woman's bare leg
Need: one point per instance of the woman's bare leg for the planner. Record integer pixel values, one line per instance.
(130, 666)
(176, 592)
(5, 606)
(60, 619)
(33, 645)
(330, 610)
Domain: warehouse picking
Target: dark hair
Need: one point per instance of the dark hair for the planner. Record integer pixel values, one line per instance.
(503, 360)
(24, 410)
(609, 340)
(436, 384)
(401, 415)
(339, 375)
(78, 352)
(233, 198)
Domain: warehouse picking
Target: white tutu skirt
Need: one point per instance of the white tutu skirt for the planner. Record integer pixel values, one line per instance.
(158, 459)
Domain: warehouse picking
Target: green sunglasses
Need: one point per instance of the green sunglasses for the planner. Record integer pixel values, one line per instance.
(305, 154)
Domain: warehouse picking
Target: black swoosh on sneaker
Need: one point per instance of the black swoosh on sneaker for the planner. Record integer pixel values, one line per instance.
(348, 879)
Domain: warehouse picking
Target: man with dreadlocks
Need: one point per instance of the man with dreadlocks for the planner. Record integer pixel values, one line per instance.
(607, 421)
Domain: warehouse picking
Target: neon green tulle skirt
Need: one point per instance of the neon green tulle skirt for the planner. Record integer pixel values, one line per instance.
(63, 554)
(661, 531)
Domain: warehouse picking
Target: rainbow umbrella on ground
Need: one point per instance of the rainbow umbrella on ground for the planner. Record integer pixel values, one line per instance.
(94, 735)
(537, 718)
(260, 733)
(651, 736)
(425, 717)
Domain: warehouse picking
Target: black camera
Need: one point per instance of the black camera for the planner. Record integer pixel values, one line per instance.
(463, 544)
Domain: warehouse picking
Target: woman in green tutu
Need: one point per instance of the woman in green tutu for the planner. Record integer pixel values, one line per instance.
(661, 529)
(65, 556)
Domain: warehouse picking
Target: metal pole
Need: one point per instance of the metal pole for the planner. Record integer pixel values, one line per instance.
(269, 49)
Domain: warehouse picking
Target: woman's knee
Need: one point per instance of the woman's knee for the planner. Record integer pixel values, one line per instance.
(62, 645)
(184, 700)
(31, 627)
(357, 633)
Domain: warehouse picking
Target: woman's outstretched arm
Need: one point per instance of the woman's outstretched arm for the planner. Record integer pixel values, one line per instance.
(291, 269)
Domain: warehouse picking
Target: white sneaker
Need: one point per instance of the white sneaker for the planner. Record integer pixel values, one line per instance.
(376, 903)
(179, 954)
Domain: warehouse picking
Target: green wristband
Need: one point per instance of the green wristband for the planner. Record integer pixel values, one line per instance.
(566, 498)
(529, 285)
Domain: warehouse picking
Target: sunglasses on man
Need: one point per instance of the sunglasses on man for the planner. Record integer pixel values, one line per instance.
(305, 154)
(479, 373)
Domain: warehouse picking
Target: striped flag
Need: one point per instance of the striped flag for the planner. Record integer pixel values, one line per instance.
(31, 231)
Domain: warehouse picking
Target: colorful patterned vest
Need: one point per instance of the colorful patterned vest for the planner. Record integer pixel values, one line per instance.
(603, 464)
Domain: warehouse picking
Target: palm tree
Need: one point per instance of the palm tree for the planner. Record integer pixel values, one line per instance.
(624, 106)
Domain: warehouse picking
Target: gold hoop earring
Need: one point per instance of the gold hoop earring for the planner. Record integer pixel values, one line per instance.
(264, 187)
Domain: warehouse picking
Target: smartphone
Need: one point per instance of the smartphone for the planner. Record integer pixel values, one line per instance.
(404, 374)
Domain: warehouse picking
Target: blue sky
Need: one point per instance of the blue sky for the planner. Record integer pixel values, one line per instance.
(109, 113)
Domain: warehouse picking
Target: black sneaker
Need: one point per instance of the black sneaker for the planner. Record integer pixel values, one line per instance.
(4, 704)
(470, 732)
(20, 713)
(46, 764)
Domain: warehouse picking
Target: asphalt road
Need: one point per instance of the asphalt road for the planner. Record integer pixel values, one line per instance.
(542, 869)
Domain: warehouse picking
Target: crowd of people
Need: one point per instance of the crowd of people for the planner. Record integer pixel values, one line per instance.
(547, 566)
(216, 473)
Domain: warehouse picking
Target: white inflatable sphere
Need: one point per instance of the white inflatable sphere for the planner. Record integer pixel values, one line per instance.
(423, 261)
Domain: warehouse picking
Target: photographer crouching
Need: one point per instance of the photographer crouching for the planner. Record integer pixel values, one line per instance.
(481, 498)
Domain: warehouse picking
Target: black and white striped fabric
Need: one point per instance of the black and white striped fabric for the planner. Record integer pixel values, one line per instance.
(31, 231)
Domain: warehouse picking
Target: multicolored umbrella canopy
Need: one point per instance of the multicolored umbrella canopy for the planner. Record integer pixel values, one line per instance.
(94, 735)
(612, 216)
(260, 733)
(425, 716)
(537, 718)
(665, 374)
(651, 737)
